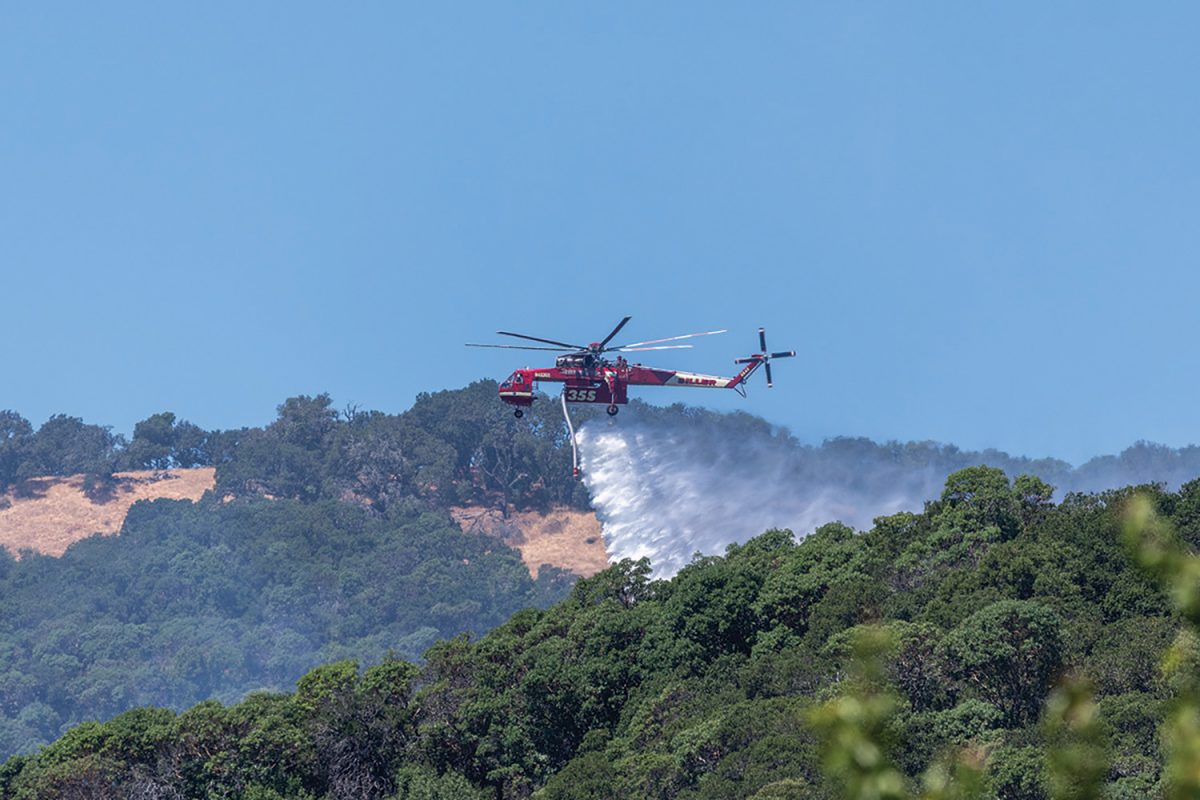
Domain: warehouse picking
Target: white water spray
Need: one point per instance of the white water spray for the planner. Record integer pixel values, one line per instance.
(668, 491)
(667, 486)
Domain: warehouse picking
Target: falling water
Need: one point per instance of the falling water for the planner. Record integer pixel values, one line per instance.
(669, 485)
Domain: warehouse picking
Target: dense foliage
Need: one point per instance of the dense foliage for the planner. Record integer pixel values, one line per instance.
(715, 684)
(464, 447)
(213, 599)
(451, 447)
(326, 539)
(335, 543)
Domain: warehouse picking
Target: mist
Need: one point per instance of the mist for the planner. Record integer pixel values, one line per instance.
(668, 484)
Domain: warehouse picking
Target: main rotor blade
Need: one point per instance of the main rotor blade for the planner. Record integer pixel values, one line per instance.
(660, 347)
(615, 331)
(521, 347)
(668, 339)
(543, 341)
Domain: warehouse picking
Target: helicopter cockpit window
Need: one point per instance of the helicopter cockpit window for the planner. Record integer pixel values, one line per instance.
(518, 378)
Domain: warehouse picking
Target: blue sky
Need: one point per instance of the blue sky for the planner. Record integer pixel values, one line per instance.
(976, 225)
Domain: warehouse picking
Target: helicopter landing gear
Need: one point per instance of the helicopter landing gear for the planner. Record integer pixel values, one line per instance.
(518, 413)
(612, 411)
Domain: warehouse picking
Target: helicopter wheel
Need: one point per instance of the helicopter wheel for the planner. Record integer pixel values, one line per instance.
(612, 411)
(518, 413)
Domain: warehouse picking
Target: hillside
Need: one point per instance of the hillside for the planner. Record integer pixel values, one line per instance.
(723, 682)
(261, 552)
(362, 538)
(562, 537)
(216, 599)
(47, 514)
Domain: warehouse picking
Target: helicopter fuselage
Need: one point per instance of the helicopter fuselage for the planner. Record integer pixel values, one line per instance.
(606, 382)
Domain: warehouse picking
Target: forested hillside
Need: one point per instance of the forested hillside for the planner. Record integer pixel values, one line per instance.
(451, 448)
(703, 686)
(204, 600)
(327, 537)
(463, 447)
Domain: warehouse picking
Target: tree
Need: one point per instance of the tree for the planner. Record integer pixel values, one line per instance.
(980, 496)
(153, 445)
(384, 459)
(66, 446)
(1033, 494)
(1008, 653)
(162, 442)
(359, 727)
(15, 432)
(287, 458)
(305, 421)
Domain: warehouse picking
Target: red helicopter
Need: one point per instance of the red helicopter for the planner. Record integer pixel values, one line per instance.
(591, 377)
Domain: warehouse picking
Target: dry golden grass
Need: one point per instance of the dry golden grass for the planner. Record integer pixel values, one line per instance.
(48, 514)
(563, 538)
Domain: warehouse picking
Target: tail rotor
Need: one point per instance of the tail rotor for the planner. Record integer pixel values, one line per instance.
(764, 358)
